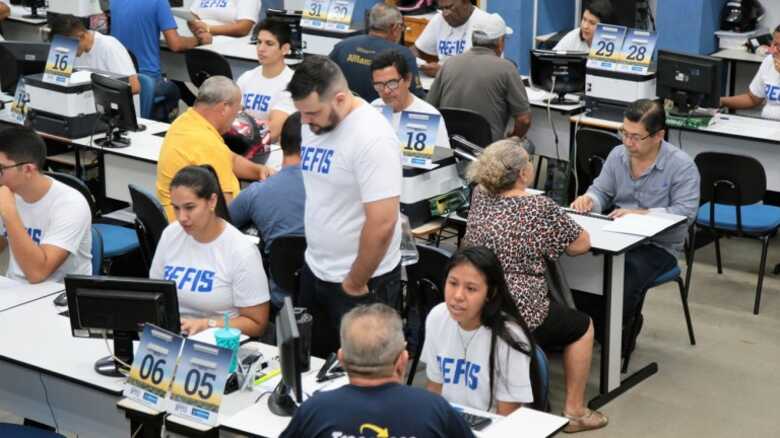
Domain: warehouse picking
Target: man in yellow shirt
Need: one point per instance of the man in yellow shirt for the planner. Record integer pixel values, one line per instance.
(196, 138)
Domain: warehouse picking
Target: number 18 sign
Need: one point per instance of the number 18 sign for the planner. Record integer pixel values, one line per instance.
(152, 370)
(417, 132)
(59, 64)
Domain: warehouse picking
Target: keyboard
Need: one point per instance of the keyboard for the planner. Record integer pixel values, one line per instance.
(476, 422)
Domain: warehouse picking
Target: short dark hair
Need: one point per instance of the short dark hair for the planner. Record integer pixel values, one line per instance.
(391, 58)
(649, 113)
(601, 9)
(315, 74)
(23, 145)
(280, 30)
(66, 24)
(291, 135)
(777, 29)
(204, 182)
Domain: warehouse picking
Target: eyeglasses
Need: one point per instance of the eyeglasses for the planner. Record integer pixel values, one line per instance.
(391, 85)
(4, 168)
(633, 137)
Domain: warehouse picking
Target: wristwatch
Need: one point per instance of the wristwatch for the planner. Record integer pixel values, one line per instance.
(211, 323)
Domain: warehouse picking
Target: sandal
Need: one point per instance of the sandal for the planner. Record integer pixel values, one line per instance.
(589, 421)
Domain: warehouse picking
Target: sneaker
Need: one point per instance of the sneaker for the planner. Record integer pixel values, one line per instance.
(589, 421)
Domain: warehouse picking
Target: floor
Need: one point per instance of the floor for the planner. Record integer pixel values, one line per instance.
(724, 386)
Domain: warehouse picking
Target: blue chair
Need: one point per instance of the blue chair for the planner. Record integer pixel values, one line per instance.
(8, 430)
(540, 380)
(97, 251)
(147, 97)
(732, 191)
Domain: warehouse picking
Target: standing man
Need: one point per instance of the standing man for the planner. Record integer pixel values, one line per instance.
(354, 54)
(351, 166)
(647, 175)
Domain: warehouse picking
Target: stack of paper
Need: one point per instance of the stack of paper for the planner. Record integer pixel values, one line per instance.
(641, 224)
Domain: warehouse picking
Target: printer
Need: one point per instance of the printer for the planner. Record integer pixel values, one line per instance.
(424, 192)
(608, 93)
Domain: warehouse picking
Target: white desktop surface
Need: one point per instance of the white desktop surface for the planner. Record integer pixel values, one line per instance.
(14, 293)
(18, 12)
(526, 422)
(738, 55)
(748, 127)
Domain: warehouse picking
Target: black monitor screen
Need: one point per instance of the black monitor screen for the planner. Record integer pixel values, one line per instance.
(289, 392)
(27, 59)
(558, 72)
(689, 80)
(293, 20)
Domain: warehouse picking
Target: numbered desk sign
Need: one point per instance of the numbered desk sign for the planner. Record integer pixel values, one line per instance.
(417, 132)
(59, 64)
(152, 370)
(605, 52)
(19, 106)
(315, 13)
(637, 52)
(340, 15)
(200, 381)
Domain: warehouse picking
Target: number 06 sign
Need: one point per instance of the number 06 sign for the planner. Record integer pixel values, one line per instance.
(152, 370)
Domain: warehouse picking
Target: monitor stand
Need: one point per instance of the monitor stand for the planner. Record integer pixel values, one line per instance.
(114, 139)
(123, 349)
(34, 13)
(561, 100)
(281, 402)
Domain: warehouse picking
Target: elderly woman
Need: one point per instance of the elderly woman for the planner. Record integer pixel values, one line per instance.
(524, 230)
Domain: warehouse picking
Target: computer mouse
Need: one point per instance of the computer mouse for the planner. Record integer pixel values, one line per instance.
(61, 299)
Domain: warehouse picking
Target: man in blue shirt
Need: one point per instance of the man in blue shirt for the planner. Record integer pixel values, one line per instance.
(137, 25)
(376, 402)
(275, 206)
(646, 175)
(354, 55)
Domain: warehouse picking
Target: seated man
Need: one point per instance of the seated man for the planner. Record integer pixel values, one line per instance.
(581, 38)
(196, 138)
(95, 50)
(765, 87)
(481, 81)
(391, 77)
(354, 54)
(645, 175)
(447, 34)
(45, 223)
(376, 402)
(275, 207)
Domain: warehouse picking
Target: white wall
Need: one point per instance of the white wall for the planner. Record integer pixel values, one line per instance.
(772, 17)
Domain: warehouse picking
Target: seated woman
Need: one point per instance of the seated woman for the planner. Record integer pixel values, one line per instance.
(264, 92)
(233, 18)
(524, 230)
(477, 347)
(215, 267)
(765, 87)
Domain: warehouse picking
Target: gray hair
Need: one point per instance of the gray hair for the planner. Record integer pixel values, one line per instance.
(372, 338)
(498, 167)
(480, 39)
(217, 89)
(383, 17)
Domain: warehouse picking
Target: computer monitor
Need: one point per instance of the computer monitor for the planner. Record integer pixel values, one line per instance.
(288, 393)
(34, 5)
(690, 81)
(464, 148)
(20, 58)
(559, 72)
(115, 107)
(117, 308)
(293, 20)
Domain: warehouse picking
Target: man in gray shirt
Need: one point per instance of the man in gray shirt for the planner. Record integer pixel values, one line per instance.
(645, 175)
(481, 81)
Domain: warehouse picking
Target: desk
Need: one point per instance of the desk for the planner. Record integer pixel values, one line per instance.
(15, 293)
(16, 27)
(732, 58)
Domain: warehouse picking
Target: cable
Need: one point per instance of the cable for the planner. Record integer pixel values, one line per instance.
(550, 120)
(140, 426)
(108, 347)
(573, 158)
(46, 397)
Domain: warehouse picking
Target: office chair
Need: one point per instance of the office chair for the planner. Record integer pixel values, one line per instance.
(732, 189)
(203, 64)
(9, 73)
(540, 380)
(468, 124)
(97, 251)
(593, 147)
(8, 430)
(150, 221)
(286, 262)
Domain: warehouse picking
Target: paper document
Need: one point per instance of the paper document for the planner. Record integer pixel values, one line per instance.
(184, 14)
(641, 224)
(207, 336)
(6, 282)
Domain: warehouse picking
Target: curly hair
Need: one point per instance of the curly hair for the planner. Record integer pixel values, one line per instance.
(499, 166)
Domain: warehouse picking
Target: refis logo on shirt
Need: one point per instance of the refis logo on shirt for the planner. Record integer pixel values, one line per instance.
(213, 3)
(459, 372)
(257, 102)
(772, 92)
(316, 159)
(451, 48)
(196, 280)
(35, 235)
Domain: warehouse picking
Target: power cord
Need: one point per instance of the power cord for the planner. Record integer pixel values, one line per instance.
(48, 403)
(573, 158)
(110, 352)
(140, 426)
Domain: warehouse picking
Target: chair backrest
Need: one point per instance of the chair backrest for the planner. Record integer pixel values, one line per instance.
(286, 261)
(97, 251)
(9, 74)
(203, 64)
(150, 220)
(426, 277)
(540, 380)
(593, 146)
(468, 124)
(730, 179)
(77, 184)
(147, 94)
(557, 284)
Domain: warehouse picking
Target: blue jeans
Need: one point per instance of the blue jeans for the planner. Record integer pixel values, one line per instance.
(166, 99)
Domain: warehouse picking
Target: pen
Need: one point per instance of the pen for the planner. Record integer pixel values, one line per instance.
(268, 376)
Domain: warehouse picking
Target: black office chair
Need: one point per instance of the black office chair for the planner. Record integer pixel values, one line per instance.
(9, 73)
(593, 147)
(150, 221)
(468, 124)
(286, 262)
(203, 64)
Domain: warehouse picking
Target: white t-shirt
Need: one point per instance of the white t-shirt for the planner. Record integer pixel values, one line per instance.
(260, 95)
(226, 11)
(572, 42)
(356, 163)
(212, 278)
(60, 218)
(766, 85)
(460, 361)
(440, 39)
(419, 106)
(107, 54)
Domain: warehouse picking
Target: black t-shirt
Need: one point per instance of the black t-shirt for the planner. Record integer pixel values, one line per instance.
(354, 56)
(389, 410)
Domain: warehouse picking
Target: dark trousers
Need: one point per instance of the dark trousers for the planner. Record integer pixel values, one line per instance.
(170, 94)
(327, 303)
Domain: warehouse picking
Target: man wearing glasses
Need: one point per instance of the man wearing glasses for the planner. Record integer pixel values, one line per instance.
(392, 79)
(646, 175)
(45, 223)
